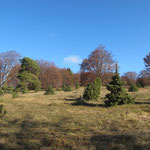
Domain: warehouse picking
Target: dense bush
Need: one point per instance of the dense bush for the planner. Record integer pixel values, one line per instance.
(77, 86)
(117, 95)
(92, 91)
(1, 92)
(49, 90)
(17, 89)
(10, 89)
(58, 89)
(133, 88)
(4, 88)
(15, 94)
(66, 88)
(2, 110)
(24, 89)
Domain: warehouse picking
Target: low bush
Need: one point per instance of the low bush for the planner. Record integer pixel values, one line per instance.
(133, 88)
(15, 94)
(1, 92)
(2, 110)
(49, 90)
(92, 91)
(66, 88)
(24, 90)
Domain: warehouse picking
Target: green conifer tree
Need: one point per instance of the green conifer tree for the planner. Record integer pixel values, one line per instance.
(66, 88)
(77, 86)
(117, 95)
(2, 110)
(133, 88)
(15, 94)
(49, 90)
(92, 91)
(29, 74)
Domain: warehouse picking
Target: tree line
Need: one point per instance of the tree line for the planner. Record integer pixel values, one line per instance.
(100, 63)
(19, 74)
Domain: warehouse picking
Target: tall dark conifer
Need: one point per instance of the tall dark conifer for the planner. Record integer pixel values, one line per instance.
(117, 95)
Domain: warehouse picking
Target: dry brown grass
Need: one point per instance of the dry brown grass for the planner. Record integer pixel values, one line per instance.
(49, 122)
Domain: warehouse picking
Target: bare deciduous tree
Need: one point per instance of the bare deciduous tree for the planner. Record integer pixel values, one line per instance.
(129, 78)
(147, 62)
(13, 76)
(7, 61)
(99, 62)
(50, 74)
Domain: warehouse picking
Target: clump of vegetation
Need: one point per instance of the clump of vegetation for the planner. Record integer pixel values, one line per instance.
(4, 88)
(117, 95)
(66, 88)
(24, 89)
(133, 88)
(17, 89)
(77, 86)
(2, 110)
(49, 90)
(1, 92)
(10, 89)
(7, 89)
(15, 93)
(58, 89)
(92, 91)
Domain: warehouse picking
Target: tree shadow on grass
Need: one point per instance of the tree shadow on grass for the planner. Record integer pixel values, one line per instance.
(121, 142)
(33, 136)
(80, 102)
(138, 103)
(72, 99)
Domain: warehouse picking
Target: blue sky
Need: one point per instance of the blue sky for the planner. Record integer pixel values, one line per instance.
(66, 31)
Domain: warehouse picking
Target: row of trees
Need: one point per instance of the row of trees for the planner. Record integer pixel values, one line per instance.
(116, 96)
(15, 71)
(100, 63)
(27, 74)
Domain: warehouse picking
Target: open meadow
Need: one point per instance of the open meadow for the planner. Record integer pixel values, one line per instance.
(35, 121)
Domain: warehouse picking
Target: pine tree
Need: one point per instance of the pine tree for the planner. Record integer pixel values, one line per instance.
(133, 88)
(66, 88)
(92, 91)
(4, 88)
(1, 92)
(77, 86)
(97, 87)
(2, 110)
(15, 94)
(49, 90)
(29, 74)
(117, 95)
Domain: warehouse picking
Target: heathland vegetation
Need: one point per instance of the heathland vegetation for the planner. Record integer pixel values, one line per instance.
(43, 106)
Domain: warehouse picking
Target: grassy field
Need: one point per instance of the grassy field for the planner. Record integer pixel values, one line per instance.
(35, 121)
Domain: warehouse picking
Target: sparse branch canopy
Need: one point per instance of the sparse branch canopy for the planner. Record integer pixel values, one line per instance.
(147, 62)
(7, 61)
(100, 62)
(129, 78)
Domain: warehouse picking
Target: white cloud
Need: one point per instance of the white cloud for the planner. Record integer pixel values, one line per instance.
(72, 59)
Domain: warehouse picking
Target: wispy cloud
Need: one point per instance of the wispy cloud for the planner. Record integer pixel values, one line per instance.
(73, 59)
